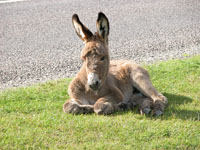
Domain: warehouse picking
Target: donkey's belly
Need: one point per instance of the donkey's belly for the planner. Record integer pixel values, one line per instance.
(128, 93)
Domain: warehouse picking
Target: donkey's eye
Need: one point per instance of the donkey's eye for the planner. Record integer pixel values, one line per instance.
(102, 58)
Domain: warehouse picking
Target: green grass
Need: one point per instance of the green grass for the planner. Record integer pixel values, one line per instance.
(32, 117)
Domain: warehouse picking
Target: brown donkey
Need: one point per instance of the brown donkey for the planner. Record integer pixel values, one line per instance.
(103, 86)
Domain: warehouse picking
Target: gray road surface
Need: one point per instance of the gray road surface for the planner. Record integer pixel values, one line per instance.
(38, 42)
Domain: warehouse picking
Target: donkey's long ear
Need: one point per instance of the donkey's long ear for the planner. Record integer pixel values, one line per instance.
(82, 31)
(103, 27)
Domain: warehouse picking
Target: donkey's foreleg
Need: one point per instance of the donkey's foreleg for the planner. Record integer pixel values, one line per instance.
(103, 106)
(106, 107)
(71, 106)
(142, 82)
(108, 104)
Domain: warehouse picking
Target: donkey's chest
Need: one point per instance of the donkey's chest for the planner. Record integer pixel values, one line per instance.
(89, 99)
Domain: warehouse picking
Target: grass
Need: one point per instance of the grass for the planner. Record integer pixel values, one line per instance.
(32, 117)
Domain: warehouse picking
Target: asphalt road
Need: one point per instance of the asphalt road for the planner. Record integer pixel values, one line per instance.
(38, 42)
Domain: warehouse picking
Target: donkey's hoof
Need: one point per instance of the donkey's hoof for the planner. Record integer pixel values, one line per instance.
(158, 113)
(98, 111)
(145, 111)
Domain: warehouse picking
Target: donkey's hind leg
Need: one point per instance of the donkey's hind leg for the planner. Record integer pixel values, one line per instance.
(71, 106)
(142, 82)
(145, 105)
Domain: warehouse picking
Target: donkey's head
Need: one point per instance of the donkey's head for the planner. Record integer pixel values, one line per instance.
(95, 53)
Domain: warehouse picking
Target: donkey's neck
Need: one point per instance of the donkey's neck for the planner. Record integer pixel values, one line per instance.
(82, 75)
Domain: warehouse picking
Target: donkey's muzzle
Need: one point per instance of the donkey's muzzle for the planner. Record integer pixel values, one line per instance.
(93, 81)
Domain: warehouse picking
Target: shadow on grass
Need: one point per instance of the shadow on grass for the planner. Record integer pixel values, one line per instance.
(177, 99)
(173, 110)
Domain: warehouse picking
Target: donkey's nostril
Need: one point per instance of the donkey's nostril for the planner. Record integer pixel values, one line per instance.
(94, 86)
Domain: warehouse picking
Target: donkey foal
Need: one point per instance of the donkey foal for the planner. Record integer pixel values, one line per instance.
(103, 86)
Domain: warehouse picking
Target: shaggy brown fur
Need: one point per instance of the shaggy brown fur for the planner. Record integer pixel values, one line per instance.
(104, 87)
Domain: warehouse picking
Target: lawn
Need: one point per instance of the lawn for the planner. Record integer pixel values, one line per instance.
(32, 117)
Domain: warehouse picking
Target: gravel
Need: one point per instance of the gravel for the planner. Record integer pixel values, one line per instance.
(38, 42)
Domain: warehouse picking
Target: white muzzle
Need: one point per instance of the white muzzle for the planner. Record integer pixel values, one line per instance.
(93, 81)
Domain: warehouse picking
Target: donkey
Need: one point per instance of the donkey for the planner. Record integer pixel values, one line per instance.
(103, 86)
